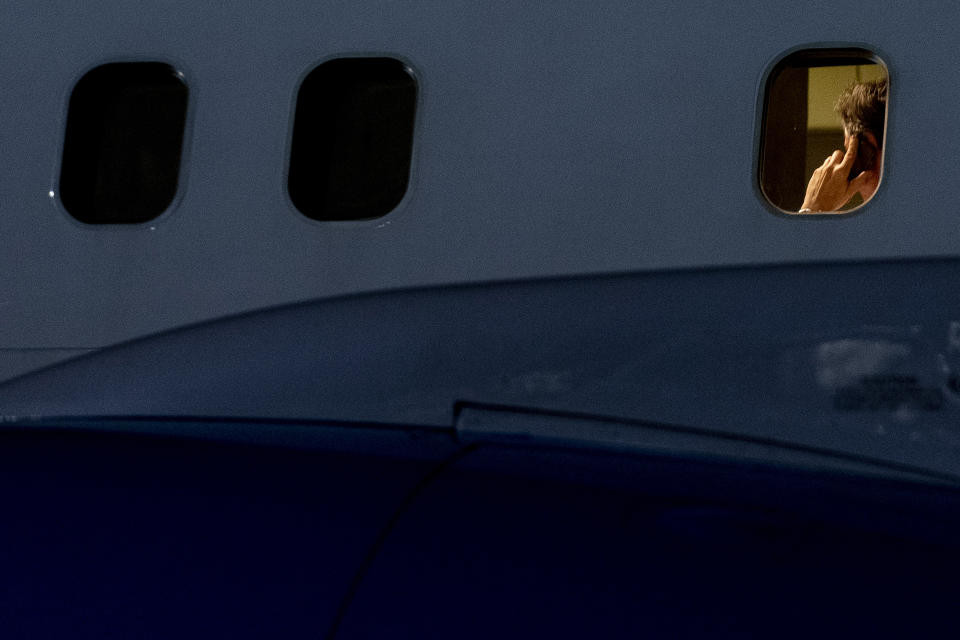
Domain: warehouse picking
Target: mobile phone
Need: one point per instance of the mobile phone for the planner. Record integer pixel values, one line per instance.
(866, 157)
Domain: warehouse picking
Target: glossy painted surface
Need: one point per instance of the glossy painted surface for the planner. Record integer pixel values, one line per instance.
(360, 532)
(858, 359)
(619, 136)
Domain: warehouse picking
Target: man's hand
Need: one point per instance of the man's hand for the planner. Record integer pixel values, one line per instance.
(829, 189)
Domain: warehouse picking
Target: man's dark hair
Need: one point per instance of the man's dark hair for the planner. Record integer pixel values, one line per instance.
(863, 107)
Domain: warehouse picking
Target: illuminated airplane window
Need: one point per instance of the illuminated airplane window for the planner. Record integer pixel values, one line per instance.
(352, 139)
(124, 137)
(823, 132)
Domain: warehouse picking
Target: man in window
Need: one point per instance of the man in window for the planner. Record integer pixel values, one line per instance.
(843, 175)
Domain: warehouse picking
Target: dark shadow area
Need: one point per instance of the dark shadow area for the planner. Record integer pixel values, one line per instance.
(352, 139)
(124, 138)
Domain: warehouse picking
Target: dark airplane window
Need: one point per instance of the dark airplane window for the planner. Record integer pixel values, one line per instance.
(823, 131)
(121, 154)
(352, 139)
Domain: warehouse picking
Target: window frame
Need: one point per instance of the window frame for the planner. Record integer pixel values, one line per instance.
(829, 54)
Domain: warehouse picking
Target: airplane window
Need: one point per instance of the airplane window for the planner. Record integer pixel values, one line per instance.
(823, 131)
(352, 139)
(123, 142)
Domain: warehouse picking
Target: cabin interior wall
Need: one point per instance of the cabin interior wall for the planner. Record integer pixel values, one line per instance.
(784, 139)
